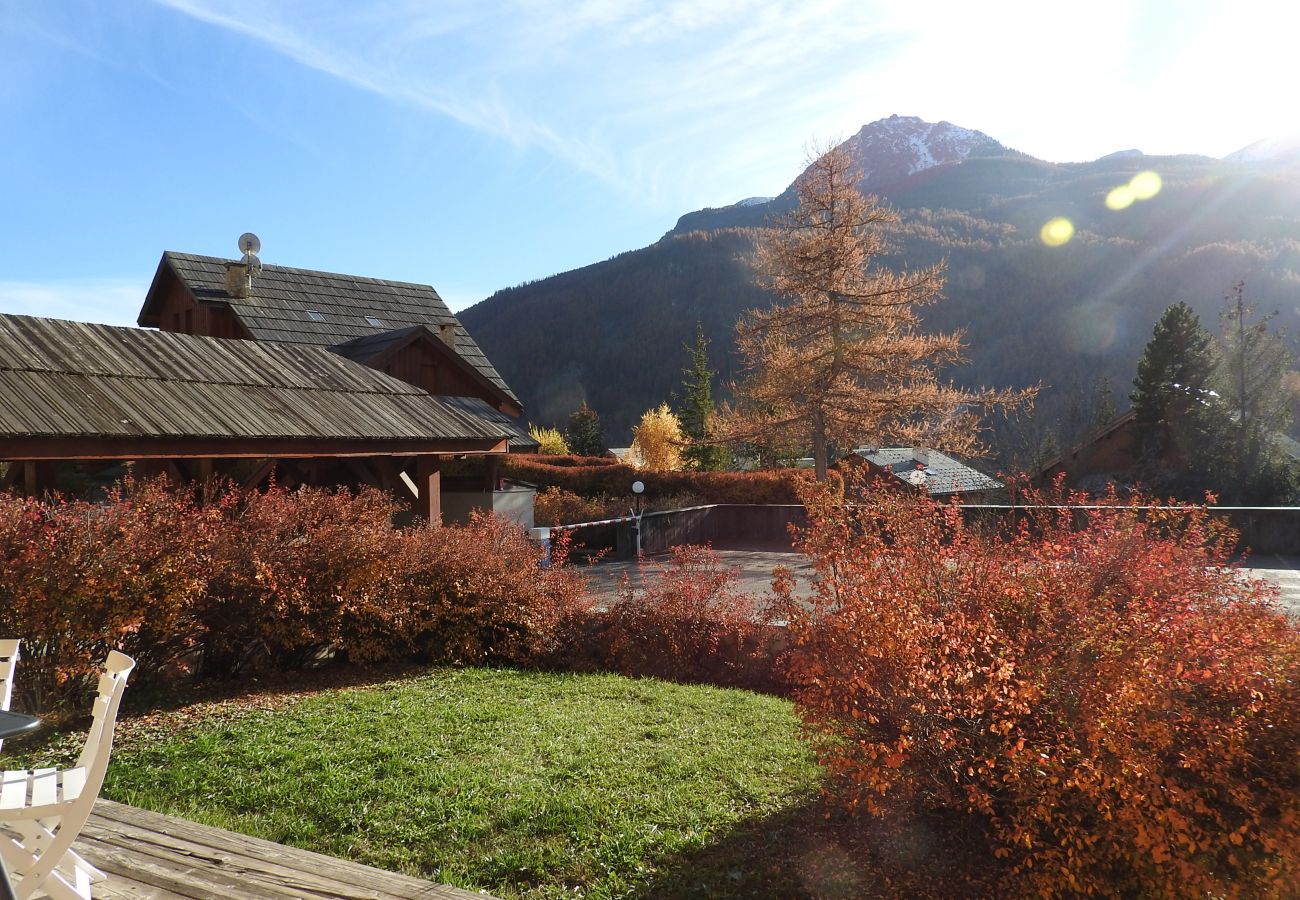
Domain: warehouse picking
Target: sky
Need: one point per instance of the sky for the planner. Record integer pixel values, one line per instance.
(474, 145)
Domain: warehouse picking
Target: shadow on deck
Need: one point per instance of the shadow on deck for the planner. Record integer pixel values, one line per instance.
(147, 854)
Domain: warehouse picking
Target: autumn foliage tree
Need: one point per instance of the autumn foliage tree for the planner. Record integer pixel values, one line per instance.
(1093, 692)
(658, 440)
(843, 358)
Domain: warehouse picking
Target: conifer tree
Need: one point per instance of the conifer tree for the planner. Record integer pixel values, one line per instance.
(584, 434)
(1252, 379)
(843, 359)
(1174, 401)
(696, 409)
(657, 441)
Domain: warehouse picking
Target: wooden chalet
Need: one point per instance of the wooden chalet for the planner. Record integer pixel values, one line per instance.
(196, 406)
(1107, 455)
(402, 329)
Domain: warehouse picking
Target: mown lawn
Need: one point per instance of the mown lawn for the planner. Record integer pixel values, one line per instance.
(523, 784)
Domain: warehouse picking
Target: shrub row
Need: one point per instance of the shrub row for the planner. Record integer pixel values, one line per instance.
(615, 480)
(1096, 695)
(255, 580)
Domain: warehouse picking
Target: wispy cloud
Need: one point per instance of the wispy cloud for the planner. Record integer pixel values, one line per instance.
(631, 92)
(111, 302)
(676, 101)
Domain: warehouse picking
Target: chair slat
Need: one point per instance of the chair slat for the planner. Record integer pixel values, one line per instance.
(45, 787)
(13, 790)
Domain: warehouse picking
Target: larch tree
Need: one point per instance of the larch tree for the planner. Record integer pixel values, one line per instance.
(658, 440)
(843, 359)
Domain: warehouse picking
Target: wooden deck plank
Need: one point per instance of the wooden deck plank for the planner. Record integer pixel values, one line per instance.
(150, 855)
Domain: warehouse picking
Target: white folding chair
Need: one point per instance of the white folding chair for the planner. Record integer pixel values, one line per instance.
(42, 811)
(8, 661)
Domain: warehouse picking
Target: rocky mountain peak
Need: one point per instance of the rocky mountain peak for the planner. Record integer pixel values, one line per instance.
(892, 149)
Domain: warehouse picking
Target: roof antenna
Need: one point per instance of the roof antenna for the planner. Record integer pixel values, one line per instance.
(249, 245)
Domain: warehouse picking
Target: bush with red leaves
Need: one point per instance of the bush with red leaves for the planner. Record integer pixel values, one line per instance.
(1094, 690)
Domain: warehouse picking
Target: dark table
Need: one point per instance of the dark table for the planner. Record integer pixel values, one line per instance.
(12, 725)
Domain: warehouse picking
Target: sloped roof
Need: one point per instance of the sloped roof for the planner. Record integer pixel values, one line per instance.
(943, 474)
(74, 379)
(278, 308)
(520, 440)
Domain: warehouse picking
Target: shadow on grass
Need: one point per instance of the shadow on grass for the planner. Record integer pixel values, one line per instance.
(812, 852)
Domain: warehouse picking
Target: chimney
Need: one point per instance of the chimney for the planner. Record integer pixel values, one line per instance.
(921, 455)
(447, 331)
(238, 283)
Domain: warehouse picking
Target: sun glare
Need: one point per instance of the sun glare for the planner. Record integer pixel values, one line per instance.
(1057, 232)
(1145, 185)
(1121, 197)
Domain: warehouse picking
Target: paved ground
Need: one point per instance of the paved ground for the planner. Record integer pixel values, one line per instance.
(756, 567)
(1283, 571)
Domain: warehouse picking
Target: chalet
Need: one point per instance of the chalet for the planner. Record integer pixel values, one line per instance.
(939, 474)
(318, 377)
(1108, 454)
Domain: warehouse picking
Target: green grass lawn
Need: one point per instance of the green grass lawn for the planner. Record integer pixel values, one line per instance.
(523, 784)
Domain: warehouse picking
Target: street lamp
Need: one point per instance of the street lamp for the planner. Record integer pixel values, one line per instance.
(638, 488)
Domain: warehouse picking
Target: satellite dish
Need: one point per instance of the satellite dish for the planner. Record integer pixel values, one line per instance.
(249, 243)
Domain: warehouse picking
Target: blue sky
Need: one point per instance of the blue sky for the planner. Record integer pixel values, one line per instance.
(474, 145)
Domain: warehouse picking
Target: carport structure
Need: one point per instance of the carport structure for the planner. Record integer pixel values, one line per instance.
(197, 407)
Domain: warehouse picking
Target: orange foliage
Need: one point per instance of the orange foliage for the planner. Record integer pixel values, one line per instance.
(1095, 690)
(274, 579)
(615, 480)
(687, 621)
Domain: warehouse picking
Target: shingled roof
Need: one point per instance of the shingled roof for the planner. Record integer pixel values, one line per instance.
(943, 474)
(77, 380)
(345, 307)
(520, 440)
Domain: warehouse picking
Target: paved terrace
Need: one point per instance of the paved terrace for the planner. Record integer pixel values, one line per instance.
(755, 569)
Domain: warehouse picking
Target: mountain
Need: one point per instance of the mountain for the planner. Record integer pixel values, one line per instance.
(613, 333)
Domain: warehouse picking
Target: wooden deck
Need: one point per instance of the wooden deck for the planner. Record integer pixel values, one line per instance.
(147, 854)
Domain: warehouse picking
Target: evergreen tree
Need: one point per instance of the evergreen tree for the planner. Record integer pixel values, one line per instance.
(585, 435)
(695, 409)
(1174, 401)
(1252, 380)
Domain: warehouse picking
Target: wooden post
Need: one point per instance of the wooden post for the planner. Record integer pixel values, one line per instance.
(493, 473)
(428, 481)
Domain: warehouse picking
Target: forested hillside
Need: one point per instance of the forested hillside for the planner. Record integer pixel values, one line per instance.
(1063, 316)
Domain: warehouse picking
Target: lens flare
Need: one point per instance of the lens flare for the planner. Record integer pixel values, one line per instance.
(1057, 232)
(1145, 185)
(1120, 197)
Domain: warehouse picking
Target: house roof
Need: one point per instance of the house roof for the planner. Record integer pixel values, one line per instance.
(520, 440)
(1105, 430)
(943, 474)
(74, 379)
(303, 306)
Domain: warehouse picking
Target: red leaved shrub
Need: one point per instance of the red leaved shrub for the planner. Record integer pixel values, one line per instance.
(296, 572)
(477, 593)
(78, 579)
(779, 486)
(685, 621)
(1096, 692)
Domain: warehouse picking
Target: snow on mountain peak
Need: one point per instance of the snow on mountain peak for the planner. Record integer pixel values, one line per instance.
(893, 148)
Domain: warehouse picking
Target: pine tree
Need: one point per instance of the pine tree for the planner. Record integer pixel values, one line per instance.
(843, 360)
(695, 409)
(1174, 401)
(585, 435)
